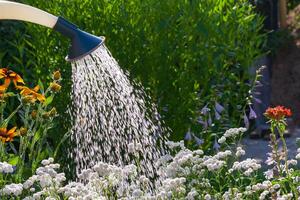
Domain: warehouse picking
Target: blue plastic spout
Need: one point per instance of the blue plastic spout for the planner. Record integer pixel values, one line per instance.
(82, 43)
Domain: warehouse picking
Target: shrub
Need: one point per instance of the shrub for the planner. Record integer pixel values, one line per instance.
(187, 54)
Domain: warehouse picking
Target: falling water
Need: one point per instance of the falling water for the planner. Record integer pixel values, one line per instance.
(110, 116)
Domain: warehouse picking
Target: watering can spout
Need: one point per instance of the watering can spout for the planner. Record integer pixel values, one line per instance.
(82, 43)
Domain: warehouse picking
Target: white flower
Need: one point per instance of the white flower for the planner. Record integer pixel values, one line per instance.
(192, 194)
(269, 174)
(13, 189)
(222, 140)
(263, 195)
(292, 162)
(131, 148)
(234, 132)
(6, 168)
(248, 166)
(198, 152)
(207, 197)
(239, 152)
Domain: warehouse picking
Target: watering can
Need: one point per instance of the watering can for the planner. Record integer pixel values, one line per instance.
(82, 43)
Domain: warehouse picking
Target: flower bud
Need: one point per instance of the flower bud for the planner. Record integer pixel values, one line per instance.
(28, 99)
(46, 115)
(23, 131)
(34, 114)
(55, 87)
(56, 75)
(52, 112)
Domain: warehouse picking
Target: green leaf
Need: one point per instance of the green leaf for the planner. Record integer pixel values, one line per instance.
(41, 86)
(48, 100)
(14, 160)
(10, 94)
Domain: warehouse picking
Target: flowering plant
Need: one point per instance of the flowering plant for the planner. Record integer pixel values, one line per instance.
(277, 119)
(182, 175)
(23, 128)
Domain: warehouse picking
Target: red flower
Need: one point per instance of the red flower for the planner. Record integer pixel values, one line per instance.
(278, 112)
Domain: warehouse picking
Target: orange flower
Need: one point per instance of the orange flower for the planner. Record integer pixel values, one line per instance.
(278, 113)
(7, 136)
(9, 76)
(31, 94)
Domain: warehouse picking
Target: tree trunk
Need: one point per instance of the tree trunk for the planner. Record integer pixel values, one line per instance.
(282, 13)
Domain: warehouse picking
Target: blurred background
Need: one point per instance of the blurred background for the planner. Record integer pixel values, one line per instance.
(192, 57)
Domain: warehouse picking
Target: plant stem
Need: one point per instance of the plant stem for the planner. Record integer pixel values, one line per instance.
(285, 152)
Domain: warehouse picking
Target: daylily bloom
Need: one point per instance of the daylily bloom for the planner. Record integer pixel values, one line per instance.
(7, 135)
(31, 95)
(9, 76)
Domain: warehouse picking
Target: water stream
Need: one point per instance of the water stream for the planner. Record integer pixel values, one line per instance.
(111, 118)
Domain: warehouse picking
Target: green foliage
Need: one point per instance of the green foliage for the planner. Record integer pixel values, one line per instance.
(186, 53)
(292, 4)
(27, 143)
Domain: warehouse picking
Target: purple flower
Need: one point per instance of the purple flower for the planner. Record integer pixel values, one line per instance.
(252, 114)
(198, 141)
(209, 121)
(246, 121)
(205, 110)
(217, 115)
(216, 146)
(257, 100)
(218, 107)
(188, 136)
(258, 84)
(200, 120)
(203, 123)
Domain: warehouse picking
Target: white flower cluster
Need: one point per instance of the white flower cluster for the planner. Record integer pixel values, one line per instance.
(12, 189)
(46, 182)
(298, 154)
(239, 152)
(268, 190)
(182, 174)
(232, 193)
(6, 168)
(248, 166)
(233, 132)
(174, 145)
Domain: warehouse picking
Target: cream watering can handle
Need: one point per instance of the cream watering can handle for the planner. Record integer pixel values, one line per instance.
(16, 11)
